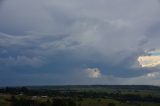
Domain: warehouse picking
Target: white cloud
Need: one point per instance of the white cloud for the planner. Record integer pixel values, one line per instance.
(154, 74)
(93, 72)
(149, 61)
(152, 59)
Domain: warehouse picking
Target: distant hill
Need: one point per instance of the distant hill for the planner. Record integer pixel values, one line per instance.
(116, 87)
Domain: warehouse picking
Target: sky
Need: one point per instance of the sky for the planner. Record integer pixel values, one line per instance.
(79, 42)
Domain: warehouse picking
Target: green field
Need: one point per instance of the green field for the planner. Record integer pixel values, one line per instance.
(80, 96)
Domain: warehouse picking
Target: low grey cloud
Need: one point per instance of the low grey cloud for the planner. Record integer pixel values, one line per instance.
(21, 61)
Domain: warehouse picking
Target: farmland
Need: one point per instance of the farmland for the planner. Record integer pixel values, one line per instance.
(81, 95)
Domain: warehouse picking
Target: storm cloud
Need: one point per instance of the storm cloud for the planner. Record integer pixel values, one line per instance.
(61, 38)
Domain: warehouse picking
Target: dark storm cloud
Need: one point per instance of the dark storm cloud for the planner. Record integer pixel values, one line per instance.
(1, 1)
(153, 30)
(61, 39)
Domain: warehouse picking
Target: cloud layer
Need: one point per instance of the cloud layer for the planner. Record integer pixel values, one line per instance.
(57, 38)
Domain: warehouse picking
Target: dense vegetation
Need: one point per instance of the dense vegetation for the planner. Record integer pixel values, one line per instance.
(97, 95)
